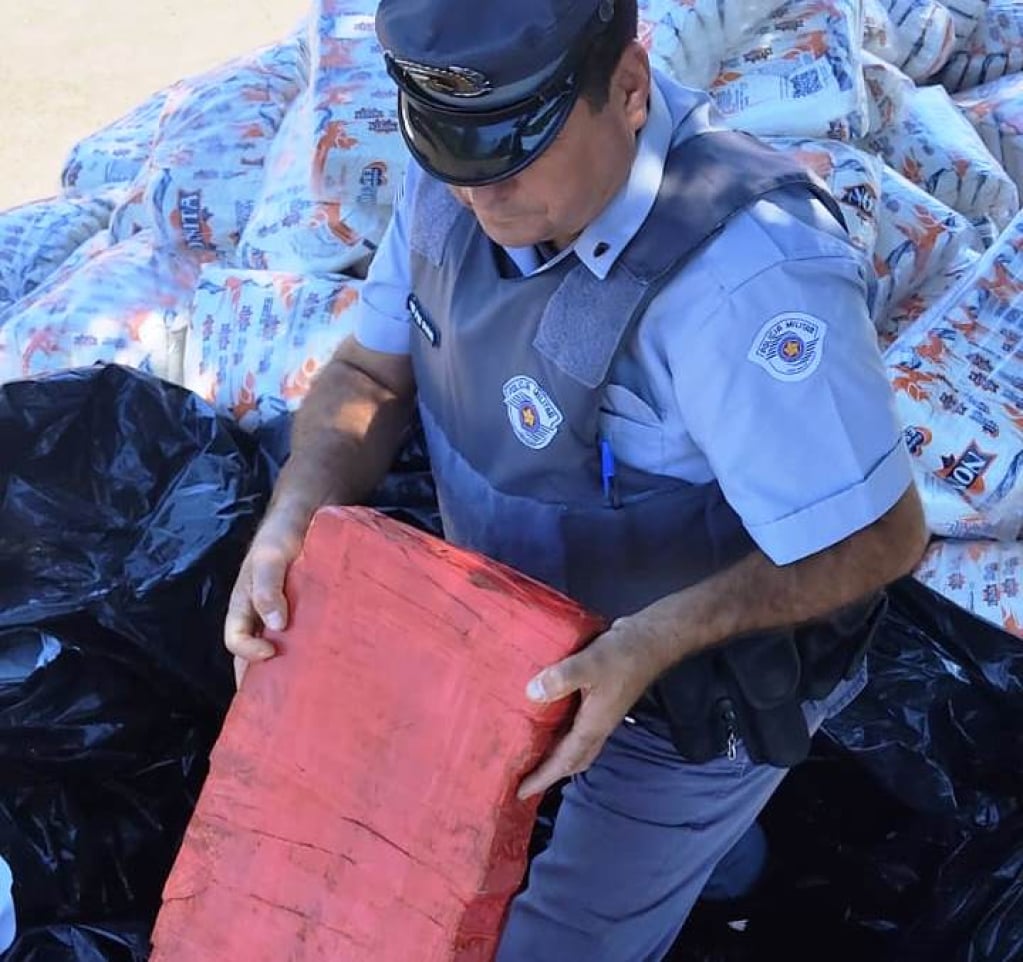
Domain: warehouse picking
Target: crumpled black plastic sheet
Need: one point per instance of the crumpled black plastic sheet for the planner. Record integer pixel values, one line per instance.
(100, 774)
(941, 723)
(126, 507)
(111, 942)
(901, 839)
(126, 499)
(975, 913)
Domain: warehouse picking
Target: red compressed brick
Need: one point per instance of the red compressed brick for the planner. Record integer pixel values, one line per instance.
(361, 801)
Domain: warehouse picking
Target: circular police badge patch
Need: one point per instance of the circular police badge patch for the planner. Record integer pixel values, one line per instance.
(534, 416)
(789, 346)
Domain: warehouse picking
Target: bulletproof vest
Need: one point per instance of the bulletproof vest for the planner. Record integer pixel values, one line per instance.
(510, 373)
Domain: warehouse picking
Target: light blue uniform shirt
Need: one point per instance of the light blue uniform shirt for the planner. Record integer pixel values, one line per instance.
(807, 450)
(8, 929)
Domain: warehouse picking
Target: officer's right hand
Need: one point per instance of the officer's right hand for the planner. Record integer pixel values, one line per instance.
(258, 598)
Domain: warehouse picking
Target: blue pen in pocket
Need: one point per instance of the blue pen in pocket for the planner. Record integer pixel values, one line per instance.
(608, 475)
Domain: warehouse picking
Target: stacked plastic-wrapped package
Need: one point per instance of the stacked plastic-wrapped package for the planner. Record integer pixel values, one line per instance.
(788, 70)
(691, 40)
(982, 576)
(920, 133)
(989, 48)
(917, 37)
(125, 303)
(37, 238)
(958, 377)
(917, 237)
(996, 111)
(333, 171)
(852, 176)
(259, 337)
(115, 154)
(204, 172)
(898, 318)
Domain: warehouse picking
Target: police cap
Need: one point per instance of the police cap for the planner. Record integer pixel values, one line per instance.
(484, 86)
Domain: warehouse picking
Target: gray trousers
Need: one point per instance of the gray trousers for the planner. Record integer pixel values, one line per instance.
(638, 837)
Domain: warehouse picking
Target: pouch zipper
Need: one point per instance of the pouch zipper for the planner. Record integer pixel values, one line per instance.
(731, 730)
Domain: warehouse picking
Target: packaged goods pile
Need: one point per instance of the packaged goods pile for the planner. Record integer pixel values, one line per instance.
(38, 238)
(206, 163)
(958, 379)
(333, 169)
(992, 48)
(125, 303)
(996, 111)
(285, 163)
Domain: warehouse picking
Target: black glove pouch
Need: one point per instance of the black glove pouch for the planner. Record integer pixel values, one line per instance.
(753, 688)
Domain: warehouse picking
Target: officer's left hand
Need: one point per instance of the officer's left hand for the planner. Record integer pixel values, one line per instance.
(610, 674)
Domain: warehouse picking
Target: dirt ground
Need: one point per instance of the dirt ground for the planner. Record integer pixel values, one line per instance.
(67, 67)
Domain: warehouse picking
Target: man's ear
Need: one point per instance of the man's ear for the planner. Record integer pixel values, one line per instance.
(630, 84)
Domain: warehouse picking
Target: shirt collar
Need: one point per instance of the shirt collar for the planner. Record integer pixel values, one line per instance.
(600, 245)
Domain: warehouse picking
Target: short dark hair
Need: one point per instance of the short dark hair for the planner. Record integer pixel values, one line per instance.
(605, 52)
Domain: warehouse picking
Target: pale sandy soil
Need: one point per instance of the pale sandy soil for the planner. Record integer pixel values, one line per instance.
(67, 67)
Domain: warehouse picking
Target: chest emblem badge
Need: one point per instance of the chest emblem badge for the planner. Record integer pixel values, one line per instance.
(534, 417)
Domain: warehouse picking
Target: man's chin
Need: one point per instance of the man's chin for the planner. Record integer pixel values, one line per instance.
(508, 234)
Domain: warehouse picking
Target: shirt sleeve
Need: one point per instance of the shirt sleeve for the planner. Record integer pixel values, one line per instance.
(785, 393)
(383, 321)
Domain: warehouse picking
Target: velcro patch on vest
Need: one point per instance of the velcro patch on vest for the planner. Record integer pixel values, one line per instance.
(789, 346)
(534, 417)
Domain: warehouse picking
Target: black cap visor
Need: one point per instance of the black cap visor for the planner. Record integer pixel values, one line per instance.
(473, 148)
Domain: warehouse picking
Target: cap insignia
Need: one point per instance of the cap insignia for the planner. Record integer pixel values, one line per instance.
(445, 81)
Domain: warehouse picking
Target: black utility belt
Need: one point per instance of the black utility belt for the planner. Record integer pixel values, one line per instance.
(753, 688)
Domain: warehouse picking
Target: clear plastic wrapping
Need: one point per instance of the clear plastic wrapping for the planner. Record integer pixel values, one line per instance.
(258, 338)
(958, 380)
(206, 167)
(333, 169)
(921, 133)
(126, 303)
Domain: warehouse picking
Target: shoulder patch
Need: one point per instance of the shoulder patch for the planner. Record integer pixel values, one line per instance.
(789, 346)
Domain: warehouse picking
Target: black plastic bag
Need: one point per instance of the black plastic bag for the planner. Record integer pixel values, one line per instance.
(849, 867)
(941, 722)
(899, 840)
(50, 728)
(100, 773)
(127, 499)
(126, 506)
(128, 942)
(975, 913)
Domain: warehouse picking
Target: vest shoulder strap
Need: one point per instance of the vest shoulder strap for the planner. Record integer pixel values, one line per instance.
(708, 180)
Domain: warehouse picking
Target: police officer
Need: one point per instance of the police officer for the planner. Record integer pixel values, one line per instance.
(641, 349)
